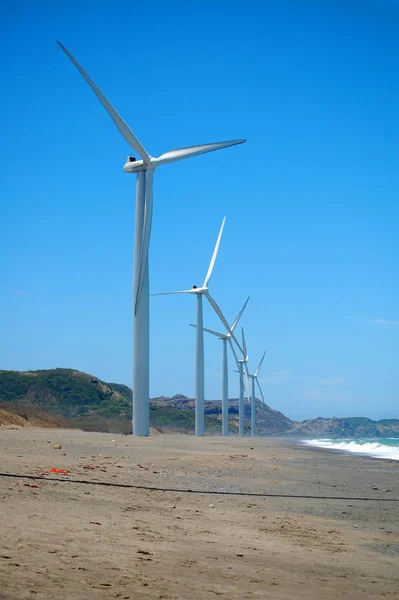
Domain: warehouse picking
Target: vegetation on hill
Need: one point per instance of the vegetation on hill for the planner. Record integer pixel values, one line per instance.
(65, 392)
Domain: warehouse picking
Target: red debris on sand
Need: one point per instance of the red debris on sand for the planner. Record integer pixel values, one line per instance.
(95, 522)
(54, 470)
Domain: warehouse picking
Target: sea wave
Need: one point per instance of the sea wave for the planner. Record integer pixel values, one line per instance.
(374, 449)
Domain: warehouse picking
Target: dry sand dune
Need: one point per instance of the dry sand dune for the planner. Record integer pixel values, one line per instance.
(81, 538)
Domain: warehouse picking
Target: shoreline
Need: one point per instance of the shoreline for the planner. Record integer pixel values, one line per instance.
(297, 539)
(352, 452)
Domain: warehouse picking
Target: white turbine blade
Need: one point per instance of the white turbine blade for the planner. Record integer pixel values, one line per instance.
(238, 317)
(183, 153)
(117, 119)
(219, 313)
(244, 346)
(145, 242)
(233, 351)
(260, 364)
(219, 335)
(168, 293)
(260, 389)
(217, 310)
(214, 255)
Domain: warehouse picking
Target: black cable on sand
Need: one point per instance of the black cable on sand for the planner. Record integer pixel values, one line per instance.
(187, 491)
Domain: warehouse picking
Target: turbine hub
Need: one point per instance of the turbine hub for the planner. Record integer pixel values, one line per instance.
(132, 165)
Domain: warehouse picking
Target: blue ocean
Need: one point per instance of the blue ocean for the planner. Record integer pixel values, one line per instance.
(375, 447)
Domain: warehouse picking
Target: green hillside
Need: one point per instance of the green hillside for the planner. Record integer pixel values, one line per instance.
(65, 392)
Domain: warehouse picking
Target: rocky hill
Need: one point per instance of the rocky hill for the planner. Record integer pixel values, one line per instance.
(269, 421)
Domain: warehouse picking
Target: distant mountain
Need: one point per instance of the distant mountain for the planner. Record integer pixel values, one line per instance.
(350, 427)
(70, 398)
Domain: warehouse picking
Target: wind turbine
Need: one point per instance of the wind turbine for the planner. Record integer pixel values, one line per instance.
(199, 347)
(254, 378)
(242, 365)
(226, 337)
(144, 200)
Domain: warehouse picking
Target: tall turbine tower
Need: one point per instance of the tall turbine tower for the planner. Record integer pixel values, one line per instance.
(226, 337)
(242, 366)
(254, 378)
(199, 347)
(144, 198)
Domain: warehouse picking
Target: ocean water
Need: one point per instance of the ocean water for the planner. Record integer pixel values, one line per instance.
(376, 447)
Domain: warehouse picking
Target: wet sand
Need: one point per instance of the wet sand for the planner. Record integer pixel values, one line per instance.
(290, 521)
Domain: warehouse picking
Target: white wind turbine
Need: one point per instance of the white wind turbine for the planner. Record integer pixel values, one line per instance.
(199, 348)
(254, 378)
(144, 199)
(226, 337)
(242, 365)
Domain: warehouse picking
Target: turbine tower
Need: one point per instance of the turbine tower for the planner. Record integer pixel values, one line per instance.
(143, 219)
(199, 348)
(226, 337)
(254, 378)
(242, 365)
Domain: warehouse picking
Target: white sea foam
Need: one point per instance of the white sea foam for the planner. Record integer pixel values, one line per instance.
(374, 449)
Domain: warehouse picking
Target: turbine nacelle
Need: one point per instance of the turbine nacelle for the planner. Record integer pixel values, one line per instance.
(132, 165)
(198, 290)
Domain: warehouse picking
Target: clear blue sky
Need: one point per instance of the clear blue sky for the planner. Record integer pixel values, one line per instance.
(311, 199)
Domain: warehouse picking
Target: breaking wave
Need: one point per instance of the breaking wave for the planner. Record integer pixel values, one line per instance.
(389, 449)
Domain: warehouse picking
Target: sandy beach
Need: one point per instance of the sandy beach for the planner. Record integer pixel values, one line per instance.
(180, 517)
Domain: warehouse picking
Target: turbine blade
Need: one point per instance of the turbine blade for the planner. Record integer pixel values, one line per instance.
(260, 389)
(260, 364)
(238, 317)
(117, 119)
(217, 333)
(233, 351)
(219, 313)
(212, 331)
(244, 346)
(183, 153)
(168, 293)
(145, 242)
(214, 255)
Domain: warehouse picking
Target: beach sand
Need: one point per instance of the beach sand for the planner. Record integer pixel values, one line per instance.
(81, 538)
